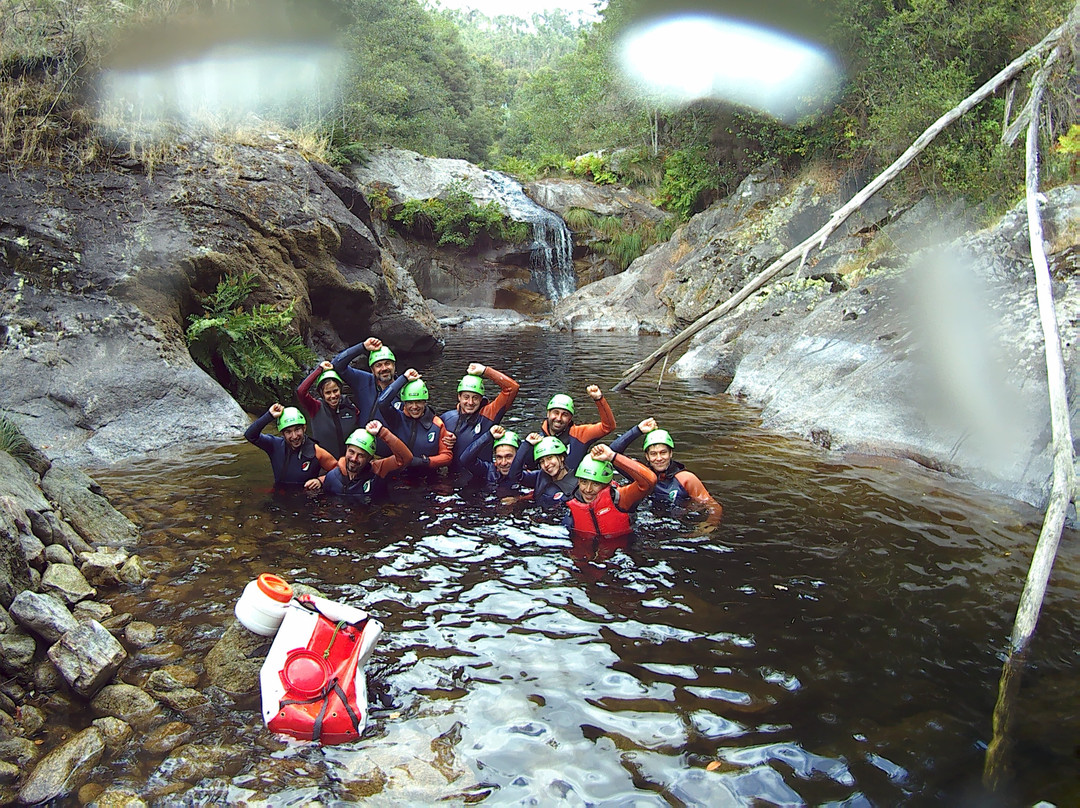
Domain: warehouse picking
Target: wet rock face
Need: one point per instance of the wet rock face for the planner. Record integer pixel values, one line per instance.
(934, 356)
(82, 503)
(88, 657)
(92, 353)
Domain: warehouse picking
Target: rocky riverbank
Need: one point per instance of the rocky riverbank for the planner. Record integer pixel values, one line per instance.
(912, 334)
(83, 683)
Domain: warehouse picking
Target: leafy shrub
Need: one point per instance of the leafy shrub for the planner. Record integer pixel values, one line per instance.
(379, 200)
(593, 166)
(251, 350)
(615, 237)
(458, 220)
(689, 178)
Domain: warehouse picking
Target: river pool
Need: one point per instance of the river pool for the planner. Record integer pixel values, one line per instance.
(837, 640)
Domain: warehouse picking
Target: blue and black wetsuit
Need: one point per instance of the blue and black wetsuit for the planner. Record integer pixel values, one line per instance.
(291, 467)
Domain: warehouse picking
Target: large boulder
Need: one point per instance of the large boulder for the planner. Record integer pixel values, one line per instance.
(81, 501)
(934, 355)
(88, 657)
(93, 359)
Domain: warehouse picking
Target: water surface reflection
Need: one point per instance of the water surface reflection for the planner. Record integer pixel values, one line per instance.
(835, 641)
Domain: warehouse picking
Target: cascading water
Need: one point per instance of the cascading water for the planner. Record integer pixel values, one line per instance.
(551, 260)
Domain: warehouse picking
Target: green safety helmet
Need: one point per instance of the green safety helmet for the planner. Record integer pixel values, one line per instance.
(362, 439)
(381, 353)
(415, 390)
(561, 401)
(549, 446)
(327, 376)
(290, 416)
(471, 384)
(658, 436)
(509, 438)
(600, 471)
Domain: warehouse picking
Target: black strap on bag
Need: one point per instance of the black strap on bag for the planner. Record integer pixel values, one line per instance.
(331, 687)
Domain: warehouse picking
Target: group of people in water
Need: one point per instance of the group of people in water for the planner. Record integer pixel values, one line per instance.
(352, 446)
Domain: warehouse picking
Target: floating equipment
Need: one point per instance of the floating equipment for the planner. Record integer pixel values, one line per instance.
(261, 607)
(313, 682)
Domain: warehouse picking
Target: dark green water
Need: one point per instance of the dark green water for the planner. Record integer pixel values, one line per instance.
(836, 641)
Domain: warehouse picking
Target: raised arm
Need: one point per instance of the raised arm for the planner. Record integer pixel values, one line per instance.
(401, 454)
(643, 480)
(508, 390)
(587, 433)
(254, 431)
(303, 392)
(627, 438)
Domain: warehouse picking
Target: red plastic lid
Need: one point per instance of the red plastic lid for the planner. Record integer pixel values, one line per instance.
(275, 588)
(305, 673)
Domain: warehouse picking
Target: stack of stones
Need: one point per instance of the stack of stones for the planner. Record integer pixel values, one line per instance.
(61, 546)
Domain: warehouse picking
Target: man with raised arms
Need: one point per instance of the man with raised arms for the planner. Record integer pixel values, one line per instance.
(474, 414)
(359, 473)
(295, 458)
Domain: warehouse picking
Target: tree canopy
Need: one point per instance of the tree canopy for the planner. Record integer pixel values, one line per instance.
(530, 95)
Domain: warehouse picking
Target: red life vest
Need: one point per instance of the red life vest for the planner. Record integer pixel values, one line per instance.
(601, 517)
(313, 683)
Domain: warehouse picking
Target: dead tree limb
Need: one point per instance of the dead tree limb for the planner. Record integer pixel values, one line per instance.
(840, 216)
(1061, 489)
(1063, 479)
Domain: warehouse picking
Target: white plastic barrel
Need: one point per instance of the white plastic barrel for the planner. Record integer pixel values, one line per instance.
(261, 607)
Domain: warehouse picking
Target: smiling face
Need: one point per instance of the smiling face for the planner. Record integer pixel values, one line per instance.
(294, 436)
(331, 393)
(503, 457)
(355, 460)
(558, 420)
(383, 371)
(589, 489)
(659, 457)
(468, 402)
(552, 465)
(413, 409)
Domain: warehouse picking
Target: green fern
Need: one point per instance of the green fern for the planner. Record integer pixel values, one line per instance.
(255, 354)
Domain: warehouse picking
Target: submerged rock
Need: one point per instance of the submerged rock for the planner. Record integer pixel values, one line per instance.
(167, 737)
(234, 662)
(64, 769)
(128, 703)
(115, 731)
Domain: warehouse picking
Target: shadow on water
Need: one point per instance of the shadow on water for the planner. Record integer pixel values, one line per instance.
(835, 641)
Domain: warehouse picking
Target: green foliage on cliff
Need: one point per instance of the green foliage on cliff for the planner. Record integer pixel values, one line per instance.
(620, 240)
(14, 442)
(456, 219)
(252, 350)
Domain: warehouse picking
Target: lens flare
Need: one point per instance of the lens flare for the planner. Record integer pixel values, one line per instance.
(692, 57)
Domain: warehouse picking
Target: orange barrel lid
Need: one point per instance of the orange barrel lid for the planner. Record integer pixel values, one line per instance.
(275, 588)
(305, 673)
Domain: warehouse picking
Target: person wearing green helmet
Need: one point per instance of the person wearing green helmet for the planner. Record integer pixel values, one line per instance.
(503, 445)
(675, 486)
(474, 414)
(367, 387)
(359, 474)
(333, 415)
(405, 409)
(552, 483)
(577, 437)
(601, 510)
(295, 458)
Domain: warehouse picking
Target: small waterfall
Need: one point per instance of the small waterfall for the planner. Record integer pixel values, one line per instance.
(552, 258)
